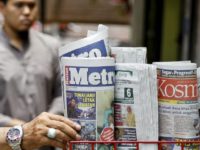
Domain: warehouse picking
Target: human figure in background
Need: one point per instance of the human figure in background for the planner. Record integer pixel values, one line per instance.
(29, 69)
(72, 109)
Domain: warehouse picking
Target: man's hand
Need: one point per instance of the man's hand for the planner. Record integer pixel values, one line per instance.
(35, 132)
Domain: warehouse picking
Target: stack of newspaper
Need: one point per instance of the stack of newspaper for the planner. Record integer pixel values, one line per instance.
(87, 74)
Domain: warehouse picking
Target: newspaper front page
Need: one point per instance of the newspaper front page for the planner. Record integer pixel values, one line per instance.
(178, 104)
(88, 97)
(94, 46)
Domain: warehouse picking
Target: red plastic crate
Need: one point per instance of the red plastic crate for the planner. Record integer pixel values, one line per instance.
(137, 143)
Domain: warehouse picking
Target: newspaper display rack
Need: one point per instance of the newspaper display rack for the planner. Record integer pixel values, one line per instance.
(137, 143)
(84, 66)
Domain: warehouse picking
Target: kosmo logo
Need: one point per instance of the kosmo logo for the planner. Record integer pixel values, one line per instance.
(90, 76)
(177, 89)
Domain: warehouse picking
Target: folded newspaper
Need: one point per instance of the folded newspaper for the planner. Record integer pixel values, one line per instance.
(136, 105)
(88, 97)
(95, 45)
(178, 103)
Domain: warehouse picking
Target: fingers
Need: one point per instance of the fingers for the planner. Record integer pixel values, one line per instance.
(30, 140)
(52, 142)
(65, 129)
(65, 120)
(39, 128)
(60, 136)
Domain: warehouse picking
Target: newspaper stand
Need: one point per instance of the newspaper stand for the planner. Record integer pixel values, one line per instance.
(137, 143)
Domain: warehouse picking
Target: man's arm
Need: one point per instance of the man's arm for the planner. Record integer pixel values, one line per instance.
(6, 121)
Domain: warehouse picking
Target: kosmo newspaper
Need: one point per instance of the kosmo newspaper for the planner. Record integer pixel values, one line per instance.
(178, 103)
(88, 97)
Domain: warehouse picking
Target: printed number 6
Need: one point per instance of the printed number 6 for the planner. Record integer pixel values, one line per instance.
(129, 92)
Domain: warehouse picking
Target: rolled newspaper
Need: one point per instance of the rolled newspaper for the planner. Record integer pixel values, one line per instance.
(136, 105)
(88, 97)
(178, 103)
(95, 45)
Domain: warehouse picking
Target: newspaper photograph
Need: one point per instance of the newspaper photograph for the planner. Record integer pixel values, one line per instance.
(81, 105)
(124, 115)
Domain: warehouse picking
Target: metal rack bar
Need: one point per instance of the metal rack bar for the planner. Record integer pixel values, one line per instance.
(137, 143)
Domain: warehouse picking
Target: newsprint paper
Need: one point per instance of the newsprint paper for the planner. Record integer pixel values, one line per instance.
(88, 97)
(136, 105)
(178, 104)
(129, 54)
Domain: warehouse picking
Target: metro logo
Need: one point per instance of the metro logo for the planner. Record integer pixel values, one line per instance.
(176, 89)
(97, 49)
(90, 76)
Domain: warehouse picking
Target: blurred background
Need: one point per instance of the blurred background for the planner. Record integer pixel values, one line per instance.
(170, 29)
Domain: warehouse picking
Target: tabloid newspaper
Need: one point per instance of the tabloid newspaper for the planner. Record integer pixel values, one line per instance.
(178, 104)
(95, 45)
(88, 97)
(136, 105)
